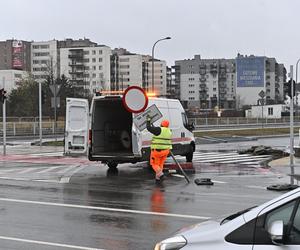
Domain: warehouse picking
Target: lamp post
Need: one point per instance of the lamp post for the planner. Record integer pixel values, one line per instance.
(166, 38)
(295, 87)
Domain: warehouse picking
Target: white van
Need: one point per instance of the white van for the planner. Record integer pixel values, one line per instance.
(107, 133)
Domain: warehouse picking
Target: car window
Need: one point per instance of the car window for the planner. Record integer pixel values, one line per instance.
(293, 237)
(282, 213)
(184, 119)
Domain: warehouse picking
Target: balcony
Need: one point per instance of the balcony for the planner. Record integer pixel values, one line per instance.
(202, 86)
(76, 63)
(76, 72)
(203, 97)
(202, 72)
(202, 79)
(222, 91)
(222, 76)
(75, 55)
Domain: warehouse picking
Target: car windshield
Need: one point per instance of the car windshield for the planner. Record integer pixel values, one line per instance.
(233, 216)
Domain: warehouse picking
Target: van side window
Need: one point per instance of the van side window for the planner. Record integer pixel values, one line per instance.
(184, 120)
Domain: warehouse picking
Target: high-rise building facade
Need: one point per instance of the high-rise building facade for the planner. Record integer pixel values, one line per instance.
(44, 57)
(229, 83)
(87, 67)
(129, 69)
(15, 54)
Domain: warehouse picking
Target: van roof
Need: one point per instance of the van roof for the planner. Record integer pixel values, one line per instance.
(120, 96)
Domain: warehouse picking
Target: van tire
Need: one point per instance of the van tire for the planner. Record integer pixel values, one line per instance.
(112, 164)
(190, 154)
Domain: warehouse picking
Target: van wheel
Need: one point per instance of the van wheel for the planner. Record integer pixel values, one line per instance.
(112, 164)
(189, 156)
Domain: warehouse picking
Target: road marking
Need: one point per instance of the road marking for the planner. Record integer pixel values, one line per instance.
(221, 182)
(105, 209)
(66, 179)
(257, 187)
(46, 170)
(48, 243)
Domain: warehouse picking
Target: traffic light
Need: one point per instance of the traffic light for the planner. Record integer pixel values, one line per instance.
(44, 96)
(2, 95)
(289, 93)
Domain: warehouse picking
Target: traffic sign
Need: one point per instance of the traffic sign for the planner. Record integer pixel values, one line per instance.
(135, 99)
(140, 120)
(55, 89)
(261, 94)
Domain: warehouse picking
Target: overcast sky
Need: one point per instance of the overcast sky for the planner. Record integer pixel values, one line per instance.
(211, 28)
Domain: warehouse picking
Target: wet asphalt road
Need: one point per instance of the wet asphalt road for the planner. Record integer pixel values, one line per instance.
(96, 208)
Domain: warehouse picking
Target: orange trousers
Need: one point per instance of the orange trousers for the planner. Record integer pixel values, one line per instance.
(157, 160)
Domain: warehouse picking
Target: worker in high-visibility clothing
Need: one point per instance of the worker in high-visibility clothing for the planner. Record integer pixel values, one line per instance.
(161, 145)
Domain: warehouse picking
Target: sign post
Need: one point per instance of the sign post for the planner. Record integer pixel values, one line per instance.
(292, 128)
(262, 102)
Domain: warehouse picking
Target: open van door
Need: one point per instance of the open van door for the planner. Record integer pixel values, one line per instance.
(136, 141)
(77, 125)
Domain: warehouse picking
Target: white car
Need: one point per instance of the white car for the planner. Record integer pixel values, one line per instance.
(275, 225)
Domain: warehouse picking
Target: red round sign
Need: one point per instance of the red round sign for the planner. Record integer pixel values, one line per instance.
(135, 99)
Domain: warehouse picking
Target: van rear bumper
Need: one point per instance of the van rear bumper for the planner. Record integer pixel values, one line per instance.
(119, 159)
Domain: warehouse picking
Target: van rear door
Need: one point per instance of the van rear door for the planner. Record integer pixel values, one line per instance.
(77, 125)
(136, 141)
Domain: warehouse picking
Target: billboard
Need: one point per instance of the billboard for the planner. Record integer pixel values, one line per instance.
(250, 71)
(17, 54)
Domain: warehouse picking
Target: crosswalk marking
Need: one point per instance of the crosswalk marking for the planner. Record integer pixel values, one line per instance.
(225, 158)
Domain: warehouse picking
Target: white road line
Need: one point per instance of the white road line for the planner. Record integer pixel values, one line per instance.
(221, 182)
(47, 243)
(66, 179)
(66, 169)
(26, 170)
(256, 187)
(49, 169)
(120, 210)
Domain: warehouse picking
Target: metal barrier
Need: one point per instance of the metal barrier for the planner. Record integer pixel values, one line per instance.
(32, 128)
(229, 121)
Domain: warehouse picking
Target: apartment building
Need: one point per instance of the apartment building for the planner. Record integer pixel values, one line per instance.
(44, 57)
(15, 54)
(87, 67)
(11, 78)
(129, 69)
(229, 83)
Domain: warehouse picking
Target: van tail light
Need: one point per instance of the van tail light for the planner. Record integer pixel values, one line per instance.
(90, 137)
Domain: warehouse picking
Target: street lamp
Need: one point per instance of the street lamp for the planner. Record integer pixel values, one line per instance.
(166, 38)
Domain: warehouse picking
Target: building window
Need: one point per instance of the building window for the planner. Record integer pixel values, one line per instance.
(214, 89)
(100, 52)
(86, 52)
(44, 46)
(93, 52)
(124, 60)
(100, 59)
(93, 60)
(86, 60)
(94, 67)
(124, 66)
(42, 54)
(270, 111)
(100, 67)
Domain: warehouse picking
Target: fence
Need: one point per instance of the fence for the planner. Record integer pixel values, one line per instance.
(32, 128)
(230, 121)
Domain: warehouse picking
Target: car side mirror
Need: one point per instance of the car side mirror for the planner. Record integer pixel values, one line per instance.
(275, 231)
(191, 126)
